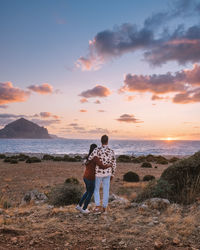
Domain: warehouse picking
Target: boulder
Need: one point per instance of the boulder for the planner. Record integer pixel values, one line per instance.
(34, 196)
(157, 203)
(117, 199)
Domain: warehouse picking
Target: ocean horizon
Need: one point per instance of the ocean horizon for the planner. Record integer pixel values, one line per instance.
(81, 146)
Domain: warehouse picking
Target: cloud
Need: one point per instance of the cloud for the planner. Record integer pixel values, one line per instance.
(128, 118)
(44, 88)
(83, 100)
(46, 122)
(9, 93)
(187, 97)
(159, 46)
(10, 116)
(97, 91)
(129, 98)
(160, 84)
(48, 115)
(73, 124)
(97, 102)
(83, 110)
(101, 111)
(3, 106)
(184, 83)
(98, 131)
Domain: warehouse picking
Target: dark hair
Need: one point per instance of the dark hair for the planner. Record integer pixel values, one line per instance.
(92, 147)
(104, 139)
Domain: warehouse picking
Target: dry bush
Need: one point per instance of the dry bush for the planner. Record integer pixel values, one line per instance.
(131, 177)
(65, 194)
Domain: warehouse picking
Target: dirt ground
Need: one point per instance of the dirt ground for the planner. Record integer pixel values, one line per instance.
(123, 227)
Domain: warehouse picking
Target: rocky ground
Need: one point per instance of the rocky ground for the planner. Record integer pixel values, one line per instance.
(126, 225)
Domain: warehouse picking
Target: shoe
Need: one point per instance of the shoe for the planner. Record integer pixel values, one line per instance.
(97, 210)
(85, 211)
(105, 210)
(79, 208)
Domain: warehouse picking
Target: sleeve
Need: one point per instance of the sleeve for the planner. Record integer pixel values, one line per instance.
(93, 154)
(114, 165)
(100, 164)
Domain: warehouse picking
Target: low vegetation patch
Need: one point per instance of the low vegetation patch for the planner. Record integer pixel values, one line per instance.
(131, 177)
(148, 178)
(33, 160)
(72, 180)
(146, 165)
(65, 194)
(179, 183)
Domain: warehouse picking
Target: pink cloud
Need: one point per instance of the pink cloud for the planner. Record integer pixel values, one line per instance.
(97, 91)
(9, 94)
(83, 110)
(83, 100)
(44, 88)
(128, 118)
(97, 102)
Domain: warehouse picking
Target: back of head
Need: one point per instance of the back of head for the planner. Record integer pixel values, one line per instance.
(104, 140)
(92, 147)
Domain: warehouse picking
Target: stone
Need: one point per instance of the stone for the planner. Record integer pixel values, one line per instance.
(134, 204)
(34, 196)
(14, 240)
(117, 199)
(176, 241)
(1, 211)
(157, 203)
(158, 244)
(151, 224)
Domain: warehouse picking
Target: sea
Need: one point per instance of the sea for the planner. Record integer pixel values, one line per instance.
(80, 146)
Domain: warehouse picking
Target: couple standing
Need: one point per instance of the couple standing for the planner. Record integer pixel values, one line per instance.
(100, 168)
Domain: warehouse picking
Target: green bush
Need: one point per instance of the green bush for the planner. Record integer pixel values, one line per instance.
(7, 159)
(2, 156)
(22, 157)
(146, 165)
(65, 194)
(179, 183)
(148, 178)
(47, 157)
(13, 161)
(174, 159)
(131, 177)
(33, 160)
(58, 158)
(155, 189)
(124, 158)
(150, 158)
(161, 160)
(72, 180)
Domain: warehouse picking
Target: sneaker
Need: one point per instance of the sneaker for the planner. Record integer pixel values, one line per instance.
(85, 211)
(79, 208)
(97, 210)
(105, 210)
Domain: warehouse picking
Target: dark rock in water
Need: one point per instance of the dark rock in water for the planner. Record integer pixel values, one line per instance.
(35, 196)
(24, 129)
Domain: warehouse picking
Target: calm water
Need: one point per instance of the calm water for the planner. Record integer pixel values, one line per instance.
(66, 146)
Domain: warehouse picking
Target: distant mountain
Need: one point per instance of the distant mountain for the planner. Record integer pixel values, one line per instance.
(24, 129)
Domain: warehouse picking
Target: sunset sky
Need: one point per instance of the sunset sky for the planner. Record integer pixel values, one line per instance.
(130, 69)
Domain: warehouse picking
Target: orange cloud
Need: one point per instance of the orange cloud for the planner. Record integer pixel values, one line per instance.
(97, 91)
(187, 97)
(9, 93)
(128, 118)
(83, 100)
(101, 111)
(83, 110)
(97, 102)
(44, 88)
(48, 114)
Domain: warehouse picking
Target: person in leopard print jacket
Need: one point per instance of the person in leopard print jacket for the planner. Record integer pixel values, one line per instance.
(106, 156)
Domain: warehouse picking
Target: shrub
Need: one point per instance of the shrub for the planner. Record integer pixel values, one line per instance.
(2, 156)
(161, 160)
(179, 183)
(13, 161)
(184, 175)
(47, 157)
(150, 158)
(146, 165)
(174, 159)
(7, 159)
(33, 160)
(22, 157)
(65, 194)
(124, 158)
(58, 158)
(78, 158)
(131, 177)
(160, 189)
(72, 180)
(148, 178)
(141, 159)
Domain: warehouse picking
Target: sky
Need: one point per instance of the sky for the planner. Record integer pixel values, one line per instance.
(129, 69)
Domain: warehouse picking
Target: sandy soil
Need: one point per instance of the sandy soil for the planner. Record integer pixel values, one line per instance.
(124, 227)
